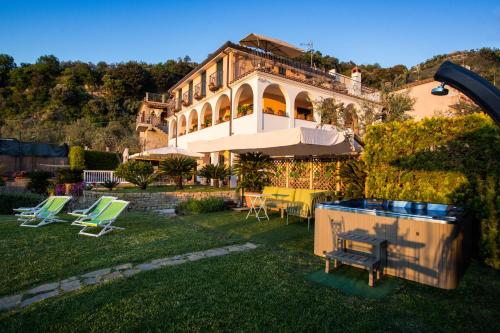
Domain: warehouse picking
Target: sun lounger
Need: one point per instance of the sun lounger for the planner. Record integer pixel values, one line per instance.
(103, 220)
(36, 208)
(94, 210)
(46, 214)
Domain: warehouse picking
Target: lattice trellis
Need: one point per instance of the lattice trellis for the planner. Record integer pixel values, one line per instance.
(320, 174)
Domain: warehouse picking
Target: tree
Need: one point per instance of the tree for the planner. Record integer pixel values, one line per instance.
(395, 105)
(179, 167)
(254, 171)
(76, 158)
(353, 176)
(6, 65)
(136, 172)
(215, 172)
(330, 112)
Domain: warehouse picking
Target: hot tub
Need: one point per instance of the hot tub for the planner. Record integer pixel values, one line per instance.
(427, 242)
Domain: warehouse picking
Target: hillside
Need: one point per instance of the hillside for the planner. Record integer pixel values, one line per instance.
(95, 105)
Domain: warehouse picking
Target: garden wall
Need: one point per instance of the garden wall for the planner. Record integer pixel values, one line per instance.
(156, 200)
(443, 160)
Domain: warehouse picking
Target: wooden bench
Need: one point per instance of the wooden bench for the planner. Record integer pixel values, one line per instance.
(371, 262)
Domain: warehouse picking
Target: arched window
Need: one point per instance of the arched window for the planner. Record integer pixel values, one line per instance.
(244, 101)
(222, 110)
(274, 101)
(304, 107)
(206, 116)
(193, 121)
(182, 125)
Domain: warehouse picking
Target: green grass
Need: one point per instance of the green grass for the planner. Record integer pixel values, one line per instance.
(165, 188)
(261, 290)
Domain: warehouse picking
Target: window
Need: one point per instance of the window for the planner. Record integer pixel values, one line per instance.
(219, 72)
(190, 92)
(204, 84)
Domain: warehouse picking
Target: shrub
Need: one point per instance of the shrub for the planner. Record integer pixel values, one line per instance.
(9, 201)
(39, 181)
(207, 205)
(101, 160)
(353, 176)
(76, 158)
(215, 172)
(179, 167)
(110, 184)
(68, 176)
(448, 160)
(137, 172)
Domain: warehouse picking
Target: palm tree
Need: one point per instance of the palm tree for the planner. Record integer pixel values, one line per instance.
(215, 172)
(179, 167)
(254, 171)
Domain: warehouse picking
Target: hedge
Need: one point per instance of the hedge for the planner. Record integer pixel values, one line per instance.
(101, 160)
(446, 160)
(76, 158)
(9, 201)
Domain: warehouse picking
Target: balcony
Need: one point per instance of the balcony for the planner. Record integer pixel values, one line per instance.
(249, 61)
(186, 99)
(157, 100)
(215, 81)
(198, 94)
(151, 121)
(174, 104)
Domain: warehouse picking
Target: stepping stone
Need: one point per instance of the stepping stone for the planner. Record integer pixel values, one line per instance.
(71, 279)
(250, 245)
(43, 287)
(70, 285)
(216, 252)
(236, 248)
(39, 298)
(195, 256)
(111, 276)
(173, 262)
(97, 273)
(90, 281)
(9, 302)
(123, 267)
(160, 261)
(146, 267)
(130, 272)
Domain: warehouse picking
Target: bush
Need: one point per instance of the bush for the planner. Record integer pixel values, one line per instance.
(76, 158)
(136, 172)
(39, 181)
(9, 201)
(68, 176)
(215, 172)
(448, 160)
(110, 184)
(101, 160)
(179, 167)
(353, 176)
(254, 171)
(207, 205)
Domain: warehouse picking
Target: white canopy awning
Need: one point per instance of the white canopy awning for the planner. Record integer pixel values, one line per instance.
(164, 152)
(299, 141)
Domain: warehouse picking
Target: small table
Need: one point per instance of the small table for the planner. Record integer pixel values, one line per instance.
(257, 205)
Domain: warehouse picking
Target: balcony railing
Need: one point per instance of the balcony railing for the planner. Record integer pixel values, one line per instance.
(153, 120)
(186, 100)
(156, 98)
(253, 60)
(215, 81)
(198, 94)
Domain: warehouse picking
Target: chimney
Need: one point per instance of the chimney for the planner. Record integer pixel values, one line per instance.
(356, 81)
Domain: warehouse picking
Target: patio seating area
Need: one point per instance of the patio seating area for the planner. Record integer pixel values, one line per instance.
(267, 288)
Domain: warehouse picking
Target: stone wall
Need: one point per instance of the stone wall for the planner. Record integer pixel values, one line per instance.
(156, 200)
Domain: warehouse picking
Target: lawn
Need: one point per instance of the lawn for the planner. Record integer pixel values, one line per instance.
(165, 188)
(261, 290)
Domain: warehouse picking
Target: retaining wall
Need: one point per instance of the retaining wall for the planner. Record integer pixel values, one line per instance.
(156, 200)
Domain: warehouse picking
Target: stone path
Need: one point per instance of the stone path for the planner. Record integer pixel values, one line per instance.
(53, 289)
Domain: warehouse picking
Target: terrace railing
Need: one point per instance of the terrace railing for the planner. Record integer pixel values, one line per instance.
(157, 98)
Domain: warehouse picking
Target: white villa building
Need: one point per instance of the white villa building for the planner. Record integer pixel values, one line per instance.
(242, 90)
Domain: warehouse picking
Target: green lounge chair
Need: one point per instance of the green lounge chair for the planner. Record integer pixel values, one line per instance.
(45, 202)
(103, 220)
(94, 210)
(46, 214)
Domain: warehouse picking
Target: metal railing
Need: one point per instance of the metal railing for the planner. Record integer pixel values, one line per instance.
(100, 176)
(186, 100)
(157, 98)
(215, 80)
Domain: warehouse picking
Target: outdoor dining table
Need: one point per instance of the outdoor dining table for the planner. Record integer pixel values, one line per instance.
(257, 205)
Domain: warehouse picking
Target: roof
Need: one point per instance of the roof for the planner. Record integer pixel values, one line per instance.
(272, 45)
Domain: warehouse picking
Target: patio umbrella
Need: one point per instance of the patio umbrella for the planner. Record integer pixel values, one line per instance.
(299, 141)
(272, 45)
(164, 152)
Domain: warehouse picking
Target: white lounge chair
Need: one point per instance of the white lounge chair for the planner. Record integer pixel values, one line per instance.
(94, 210)
(103, 220)
(46, 214)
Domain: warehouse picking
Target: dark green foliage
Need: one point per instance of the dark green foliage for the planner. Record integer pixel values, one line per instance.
(110, 184)
(446, 160)
(202, 206)
(180, 168)
(139, 173)
(101, 160)
(39, 181)
(76, 158)
(215, 172)
(254, 171)
(69, 176)
(353, 177)
(9, 201)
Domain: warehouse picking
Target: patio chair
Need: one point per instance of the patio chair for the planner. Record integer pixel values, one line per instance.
(45, 202)
(103, 220)
(46, 214)
(94, 210)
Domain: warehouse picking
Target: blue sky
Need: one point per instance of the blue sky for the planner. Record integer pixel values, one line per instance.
(387, 32)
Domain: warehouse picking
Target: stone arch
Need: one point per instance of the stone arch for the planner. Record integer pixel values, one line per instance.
(182, 125)
(193, 121)
(172, 128)
(243, 101)
(206, 115)
(274, 100)
(303, 106)
(222, 109)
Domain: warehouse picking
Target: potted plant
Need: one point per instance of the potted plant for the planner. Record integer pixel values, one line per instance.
(216, 172)
(179, 167)
(254, 171)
